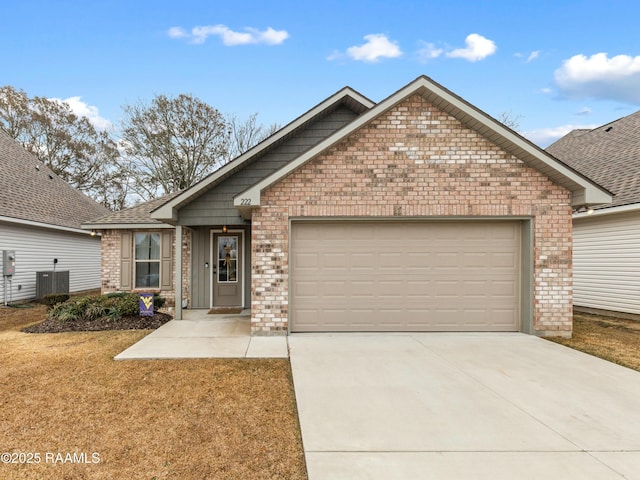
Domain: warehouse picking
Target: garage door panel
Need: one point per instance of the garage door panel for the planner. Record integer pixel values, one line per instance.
(305, 289)
(503, 289)
(418, 260)
(418, 289)
(334, 261)
(444, 260)
(419, 276)
(504, 260)
(503, 317)
(306, 261)
(362, 289)
(476, 289)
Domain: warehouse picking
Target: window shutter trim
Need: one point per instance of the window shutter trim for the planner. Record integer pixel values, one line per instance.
(126, 266)
(166, 257)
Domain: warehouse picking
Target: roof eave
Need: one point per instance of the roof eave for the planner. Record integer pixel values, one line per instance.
(631, 207)
(124, 226)
(49, 226)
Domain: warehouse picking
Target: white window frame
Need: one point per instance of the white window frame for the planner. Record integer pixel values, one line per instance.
(136, 261)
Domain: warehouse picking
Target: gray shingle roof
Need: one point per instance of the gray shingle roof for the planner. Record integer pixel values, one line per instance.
(139, 214)
(609, 155)
(30, 191)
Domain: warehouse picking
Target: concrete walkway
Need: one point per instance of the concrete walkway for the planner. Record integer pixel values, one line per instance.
(462, 406)
(201, 335)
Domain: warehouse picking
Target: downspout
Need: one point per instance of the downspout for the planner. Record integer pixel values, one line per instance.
(178, 315)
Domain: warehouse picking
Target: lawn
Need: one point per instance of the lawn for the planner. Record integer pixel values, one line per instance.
(87, 416)
(63, 397)
(613, 339)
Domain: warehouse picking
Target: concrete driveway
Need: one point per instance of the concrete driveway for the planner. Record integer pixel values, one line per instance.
(461, 406)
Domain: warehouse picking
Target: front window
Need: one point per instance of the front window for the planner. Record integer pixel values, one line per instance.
(147, 260)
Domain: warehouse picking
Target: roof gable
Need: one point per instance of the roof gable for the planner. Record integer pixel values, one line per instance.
(357, 102)
(31, 192)
(609, 154)
(584, 191)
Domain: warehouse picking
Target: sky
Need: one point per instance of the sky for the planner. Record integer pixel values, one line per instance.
(552, 65)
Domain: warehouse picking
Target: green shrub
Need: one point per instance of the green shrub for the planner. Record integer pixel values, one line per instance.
(129, 304)
(52, 299)
(116, 294)
(71, 310)
(93, 307)
(158, 301)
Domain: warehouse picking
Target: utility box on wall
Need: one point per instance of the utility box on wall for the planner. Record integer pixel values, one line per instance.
(51, 282)
(8, 263)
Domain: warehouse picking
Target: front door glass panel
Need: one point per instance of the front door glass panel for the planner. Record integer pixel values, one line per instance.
(228, 259)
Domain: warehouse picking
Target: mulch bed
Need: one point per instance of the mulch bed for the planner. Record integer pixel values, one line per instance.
(127, 323)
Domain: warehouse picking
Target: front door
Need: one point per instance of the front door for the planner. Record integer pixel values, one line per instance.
(227, 271)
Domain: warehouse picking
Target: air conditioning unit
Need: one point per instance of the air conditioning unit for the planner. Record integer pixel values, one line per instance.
(52, 282)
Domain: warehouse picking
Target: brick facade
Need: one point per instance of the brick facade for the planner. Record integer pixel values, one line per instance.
(111, 254)
(110, 269)
(415, 161)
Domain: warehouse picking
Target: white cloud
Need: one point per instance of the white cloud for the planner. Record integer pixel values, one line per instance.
(230, 37)
(546, 136)
(533, 55)
(177, 32)
(478, 48)
(583, 111)
(428, 52)
(546, 90)
(598, 76)
(377, 46)
(82, 109)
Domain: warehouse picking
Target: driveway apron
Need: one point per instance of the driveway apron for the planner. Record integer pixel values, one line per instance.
(458, 406)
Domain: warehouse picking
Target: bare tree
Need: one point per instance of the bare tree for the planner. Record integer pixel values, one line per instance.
(246, 134)
(172, 143)
(68, 144)
(510, 119)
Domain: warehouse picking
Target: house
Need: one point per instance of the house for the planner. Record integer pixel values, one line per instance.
(417, 213)
(40, 220)
(607, 241)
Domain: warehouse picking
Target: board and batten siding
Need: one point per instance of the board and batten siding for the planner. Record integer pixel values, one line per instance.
(201, 276)
(606, 262)
(215, 207)
(35, 250)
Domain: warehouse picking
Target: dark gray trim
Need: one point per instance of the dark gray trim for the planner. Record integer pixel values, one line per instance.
(526, 277)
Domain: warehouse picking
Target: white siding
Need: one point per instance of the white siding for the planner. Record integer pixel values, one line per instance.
(606, 256)
(35, 250)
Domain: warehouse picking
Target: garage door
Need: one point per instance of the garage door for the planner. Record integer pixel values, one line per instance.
(405, 276)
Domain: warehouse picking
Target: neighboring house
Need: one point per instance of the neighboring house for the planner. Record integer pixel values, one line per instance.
(606, 247)
(40, 219)
(418, 213)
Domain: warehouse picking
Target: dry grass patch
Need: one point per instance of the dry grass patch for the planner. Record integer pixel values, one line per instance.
(166, 419)
(613, 339)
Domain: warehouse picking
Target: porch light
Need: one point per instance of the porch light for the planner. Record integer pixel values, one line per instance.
(224, 229)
